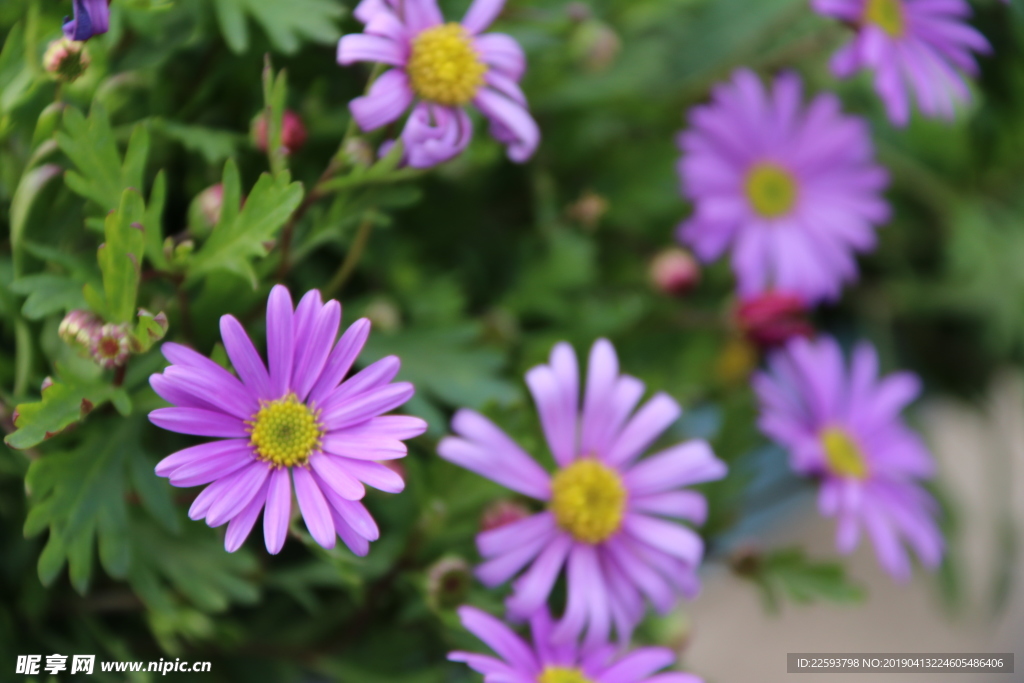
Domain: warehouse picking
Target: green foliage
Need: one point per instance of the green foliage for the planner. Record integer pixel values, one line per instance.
(120, 259)
(789, 574)
(62, 405)
(286, 24)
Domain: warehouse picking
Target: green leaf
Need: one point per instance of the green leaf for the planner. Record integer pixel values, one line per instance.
(25, 196)
(275, 95)
(214, 145)
(193, 565)
(120, 257)
(286, 22)
(240, 238)
(48, 293)
(90, 145)
(62, 404)
(790, 574)
(80, 496)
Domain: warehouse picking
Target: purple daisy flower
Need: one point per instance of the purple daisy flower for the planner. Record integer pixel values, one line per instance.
(793, 191)
(444, 67)
(298, 421)
(549, 661)
(842, 425)
(92, 17)
(604, 511)
(918, 45)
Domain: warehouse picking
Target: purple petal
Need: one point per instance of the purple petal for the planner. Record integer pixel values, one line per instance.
(668, 537)
(314, 508)
(280, 340)
(360, 47)
(198, 422)
(389, 97)
(247, 483)
(197, 454)
(244, 357)
(315, 348)
(231, 456)
(340, 361)
(533, 587)
(499, 638)
(335, 474)
(434, 134)
(687, 463)
(481, 14)
(376, 475)
(502, 53)
(366, 405)
(511, 123)
(241, 524)
(278, 512)
(641, 431)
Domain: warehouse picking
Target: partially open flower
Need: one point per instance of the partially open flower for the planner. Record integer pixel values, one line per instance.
(448, 582)
(79, 330)
(66, 59)
(111, 347)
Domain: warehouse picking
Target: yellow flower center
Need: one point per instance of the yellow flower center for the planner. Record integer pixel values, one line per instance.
(588, 500)
(560, 674)
(285, 432)
(886, 15)
(771, 190)
(444, 67)
(843, 454)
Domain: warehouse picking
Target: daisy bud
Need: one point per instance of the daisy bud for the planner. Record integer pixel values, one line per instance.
(358, 152)
(384, 315)
(596, 45)
(674, 271)
(588, 210)
(770, 319)
(293, 132)
(502, 512)
(578, 11)
(47, 383)
(79, 330)
(112, 346)
(448, 582)
(204, 212)
(66, 59)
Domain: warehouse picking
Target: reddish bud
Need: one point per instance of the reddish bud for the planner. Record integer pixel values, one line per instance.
(293, 132)
(674, 271)
(502, 512)
(448, 582)
(66, 59)
(772, 318)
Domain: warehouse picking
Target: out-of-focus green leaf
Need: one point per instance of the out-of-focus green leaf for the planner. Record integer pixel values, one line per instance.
(120, 257)
(790, 574)
(48, 293)
(62, 404)
(214, 145)
(286, 22)
(25, 196)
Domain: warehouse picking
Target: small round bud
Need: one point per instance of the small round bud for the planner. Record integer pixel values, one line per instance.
(448, 582)
(578, 11)
(771, 319)
(502, 512)
(66, 59)
(47, 383)
(384, 315)
(588, 210)
(79, 330)
(358, 152)
(204, 212)
(595, 45)
(674, 271)
(293, 132)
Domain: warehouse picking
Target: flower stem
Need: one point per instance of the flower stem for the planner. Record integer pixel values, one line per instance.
(355, 252)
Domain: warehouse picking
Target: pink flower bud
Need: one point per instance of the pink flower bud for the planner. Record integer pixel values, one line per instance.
(204, 213)
(112, 346)
(674, 271)
(772, 318)
(448, 582)
(293, 132)
(66, 59)
(79, 330)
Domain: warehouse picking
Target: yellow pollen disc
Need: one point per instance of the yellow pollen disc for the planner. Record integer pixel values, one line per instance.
(771, 190)
(886, 15)
(285, 432)
(444, 67)
(558, 674)
(588, 500)
(843, 454)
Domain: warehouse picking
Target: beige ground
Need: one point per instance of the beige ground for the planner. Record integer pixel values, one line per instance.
(981, 454)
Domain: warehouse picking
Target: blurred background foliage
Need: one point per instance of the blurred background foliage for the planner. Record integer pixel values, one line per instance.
(470, 273)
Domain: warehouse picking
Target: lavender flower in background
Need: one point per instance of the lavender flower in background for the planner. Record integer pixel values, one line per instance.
(843, 426)
(603, 521)
(793, 191)
(923, 46)
(92, 17)
(298, 421)
(443, 67)
(551, 661)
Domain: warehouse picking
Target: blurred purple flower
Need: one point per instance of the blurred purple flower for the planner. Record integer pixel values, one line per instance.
(918, 45)
(92, 17)
(444, 66)
(298, 421)
(603, 520)
(793, 191)
(843, 425)
(549, 661)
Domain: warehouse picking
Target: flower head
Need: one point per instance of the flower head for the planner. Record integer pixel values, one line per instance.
(793, 191)
(92, 17)
(919, 46)
(66, 59)
(292, 420)
(443, 67)
(604, 517)
(547, 660)
(842, 424)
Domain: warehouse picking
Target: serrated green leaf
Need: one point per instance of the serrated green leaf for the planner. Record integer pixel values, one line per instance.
(80, 495)
(193, 565)
(62, 405)
(286, 22)
(213, 144)
(90, 145)
(237, 241)
(120, 256)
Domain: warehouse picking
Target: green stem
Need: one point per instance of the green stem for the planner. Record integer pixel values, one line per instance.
(355, 253)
